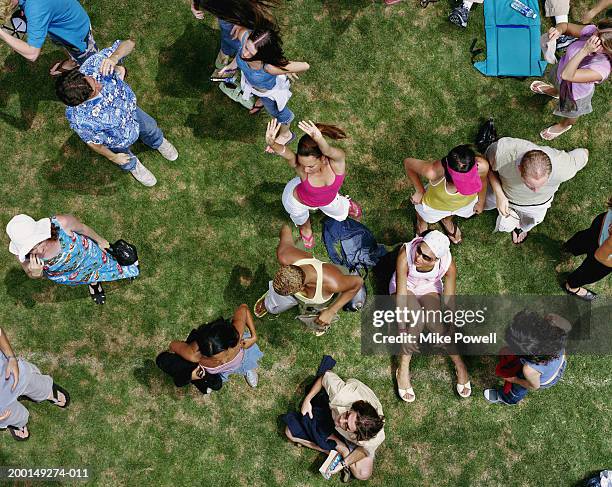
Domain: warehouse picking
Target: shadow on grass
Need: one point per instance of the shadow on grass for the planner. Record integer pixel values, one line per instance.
(79, 170)
(149, 371)
(30, 82)
(185, 66)
(28, 292)
(257, 205)
(244, 286)
(220, 118)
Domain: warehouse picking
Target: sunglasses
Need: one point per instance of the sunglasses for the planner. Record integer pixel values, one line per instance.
(427, 258)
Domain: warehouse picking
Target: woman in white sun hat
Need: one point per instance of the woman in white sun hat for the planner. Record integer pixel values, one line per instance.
(425, 271)
(65, 251)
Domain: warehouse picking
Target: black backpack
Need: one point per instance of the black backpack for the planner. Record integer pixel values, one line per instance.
(124, 253)
(487, 134)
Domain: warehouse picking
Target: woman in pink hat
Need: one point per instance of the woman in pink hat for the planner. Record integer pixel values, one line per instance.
(457, 185)
(425, 271)
(66, 251)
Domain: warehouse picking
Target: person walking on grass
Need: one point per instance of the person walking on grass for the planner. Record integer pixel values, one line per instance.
(586, 63)
(266, 73)
(539, 344)
(222, 348)
(425, 271)
(64, 21)
(66, 251)
(321, 170)
(102, 110)
(524, 178)
(457, 186)
(303, 279)
(596, 243)
(23, 379)
(343, 416)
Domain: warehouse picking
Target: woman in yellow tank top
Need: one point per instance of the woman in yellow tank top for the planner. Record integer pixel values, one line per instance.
(457, 185)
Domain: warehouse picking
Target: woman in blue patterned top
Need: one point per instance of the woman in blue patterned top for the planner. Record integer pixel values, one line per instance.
(66, 251)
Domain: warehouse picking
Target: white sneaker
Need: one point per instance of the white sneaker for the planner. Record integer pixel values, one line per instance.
(252, 378)
(168, 151)
(143, 175)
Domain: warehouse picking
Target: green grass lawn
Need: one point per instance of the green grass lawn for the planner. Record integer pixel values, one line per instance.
(399, 80)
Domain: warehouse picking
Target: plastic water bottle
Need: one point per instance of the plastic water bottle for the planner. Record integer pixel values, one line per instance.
(523, 9)
(334, 463)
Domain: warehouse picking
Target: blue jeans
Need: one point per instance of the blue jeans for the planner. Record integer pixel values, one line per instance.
(516, 394)
(284, 116)
(148, 133)
(76, 54)
(229, 45)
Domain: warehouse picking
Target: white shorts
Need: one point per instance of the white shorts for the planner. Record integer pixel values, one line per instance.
(530, 216)
(431, 215)
(299, 212)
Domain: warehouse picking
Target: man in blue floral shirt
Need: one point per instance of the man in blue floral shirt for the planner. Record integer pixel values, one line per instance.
(102, 110)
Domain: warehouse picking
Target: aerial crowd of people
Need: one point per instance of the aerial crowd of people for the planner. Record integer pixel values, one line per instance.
(517, 178)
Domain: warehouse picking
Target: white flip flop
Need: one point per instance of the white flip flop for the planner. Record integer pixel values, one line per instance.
(461, 388)
(403, 392)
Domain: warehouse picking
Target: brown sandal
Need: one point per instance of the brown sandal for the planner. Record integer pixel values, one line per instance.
(451, 235)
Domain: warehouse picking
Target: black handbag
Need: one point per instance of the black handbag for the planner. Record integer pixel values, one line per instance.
(124, 253)
(487, 134)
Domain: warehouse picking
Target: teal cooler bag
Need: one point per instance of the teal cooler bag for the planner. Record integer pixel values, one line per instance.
(513, 41)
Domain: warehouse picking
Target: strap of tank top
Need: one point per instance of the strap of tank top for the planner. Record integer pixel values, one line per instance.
(318, 266)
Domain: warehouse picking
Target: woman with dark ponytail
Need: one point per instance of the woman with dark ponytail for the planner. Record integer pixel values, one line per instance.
(216, 349)
(321, 169)
(266, 73)
(457, 185)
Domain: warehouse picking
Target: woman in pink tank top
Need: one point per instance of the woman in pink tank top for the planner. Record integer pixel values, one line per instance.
(320, 170)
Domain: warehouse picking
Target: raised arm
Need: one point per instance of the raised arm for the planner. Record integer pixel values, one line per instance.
(109, 64)
(72, 224)
(281, 150)
(573, 73)
(292, 67)
(596, 10)
(417, 168)
(335, 155)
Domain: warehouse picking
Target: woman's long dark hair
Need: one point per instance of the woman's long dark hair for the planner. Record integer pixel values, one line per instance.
(461, 159)
(307, 145)
(252, 14)
(269, 47)
(216, 337)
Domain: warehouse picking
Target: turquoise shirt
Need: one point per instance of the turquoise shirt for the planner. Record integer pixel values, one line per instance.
(64, 20)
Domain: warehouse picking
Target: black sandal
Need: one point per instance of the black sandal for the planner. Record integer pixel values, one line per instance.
(12, 430)
(453, 234)
(55, 389)
(256, 109)
(97, 293)
(589, 296)
(517, 231)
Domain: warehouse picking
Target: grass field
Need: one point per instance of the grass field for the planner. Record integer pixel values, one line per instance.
(400, 82)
